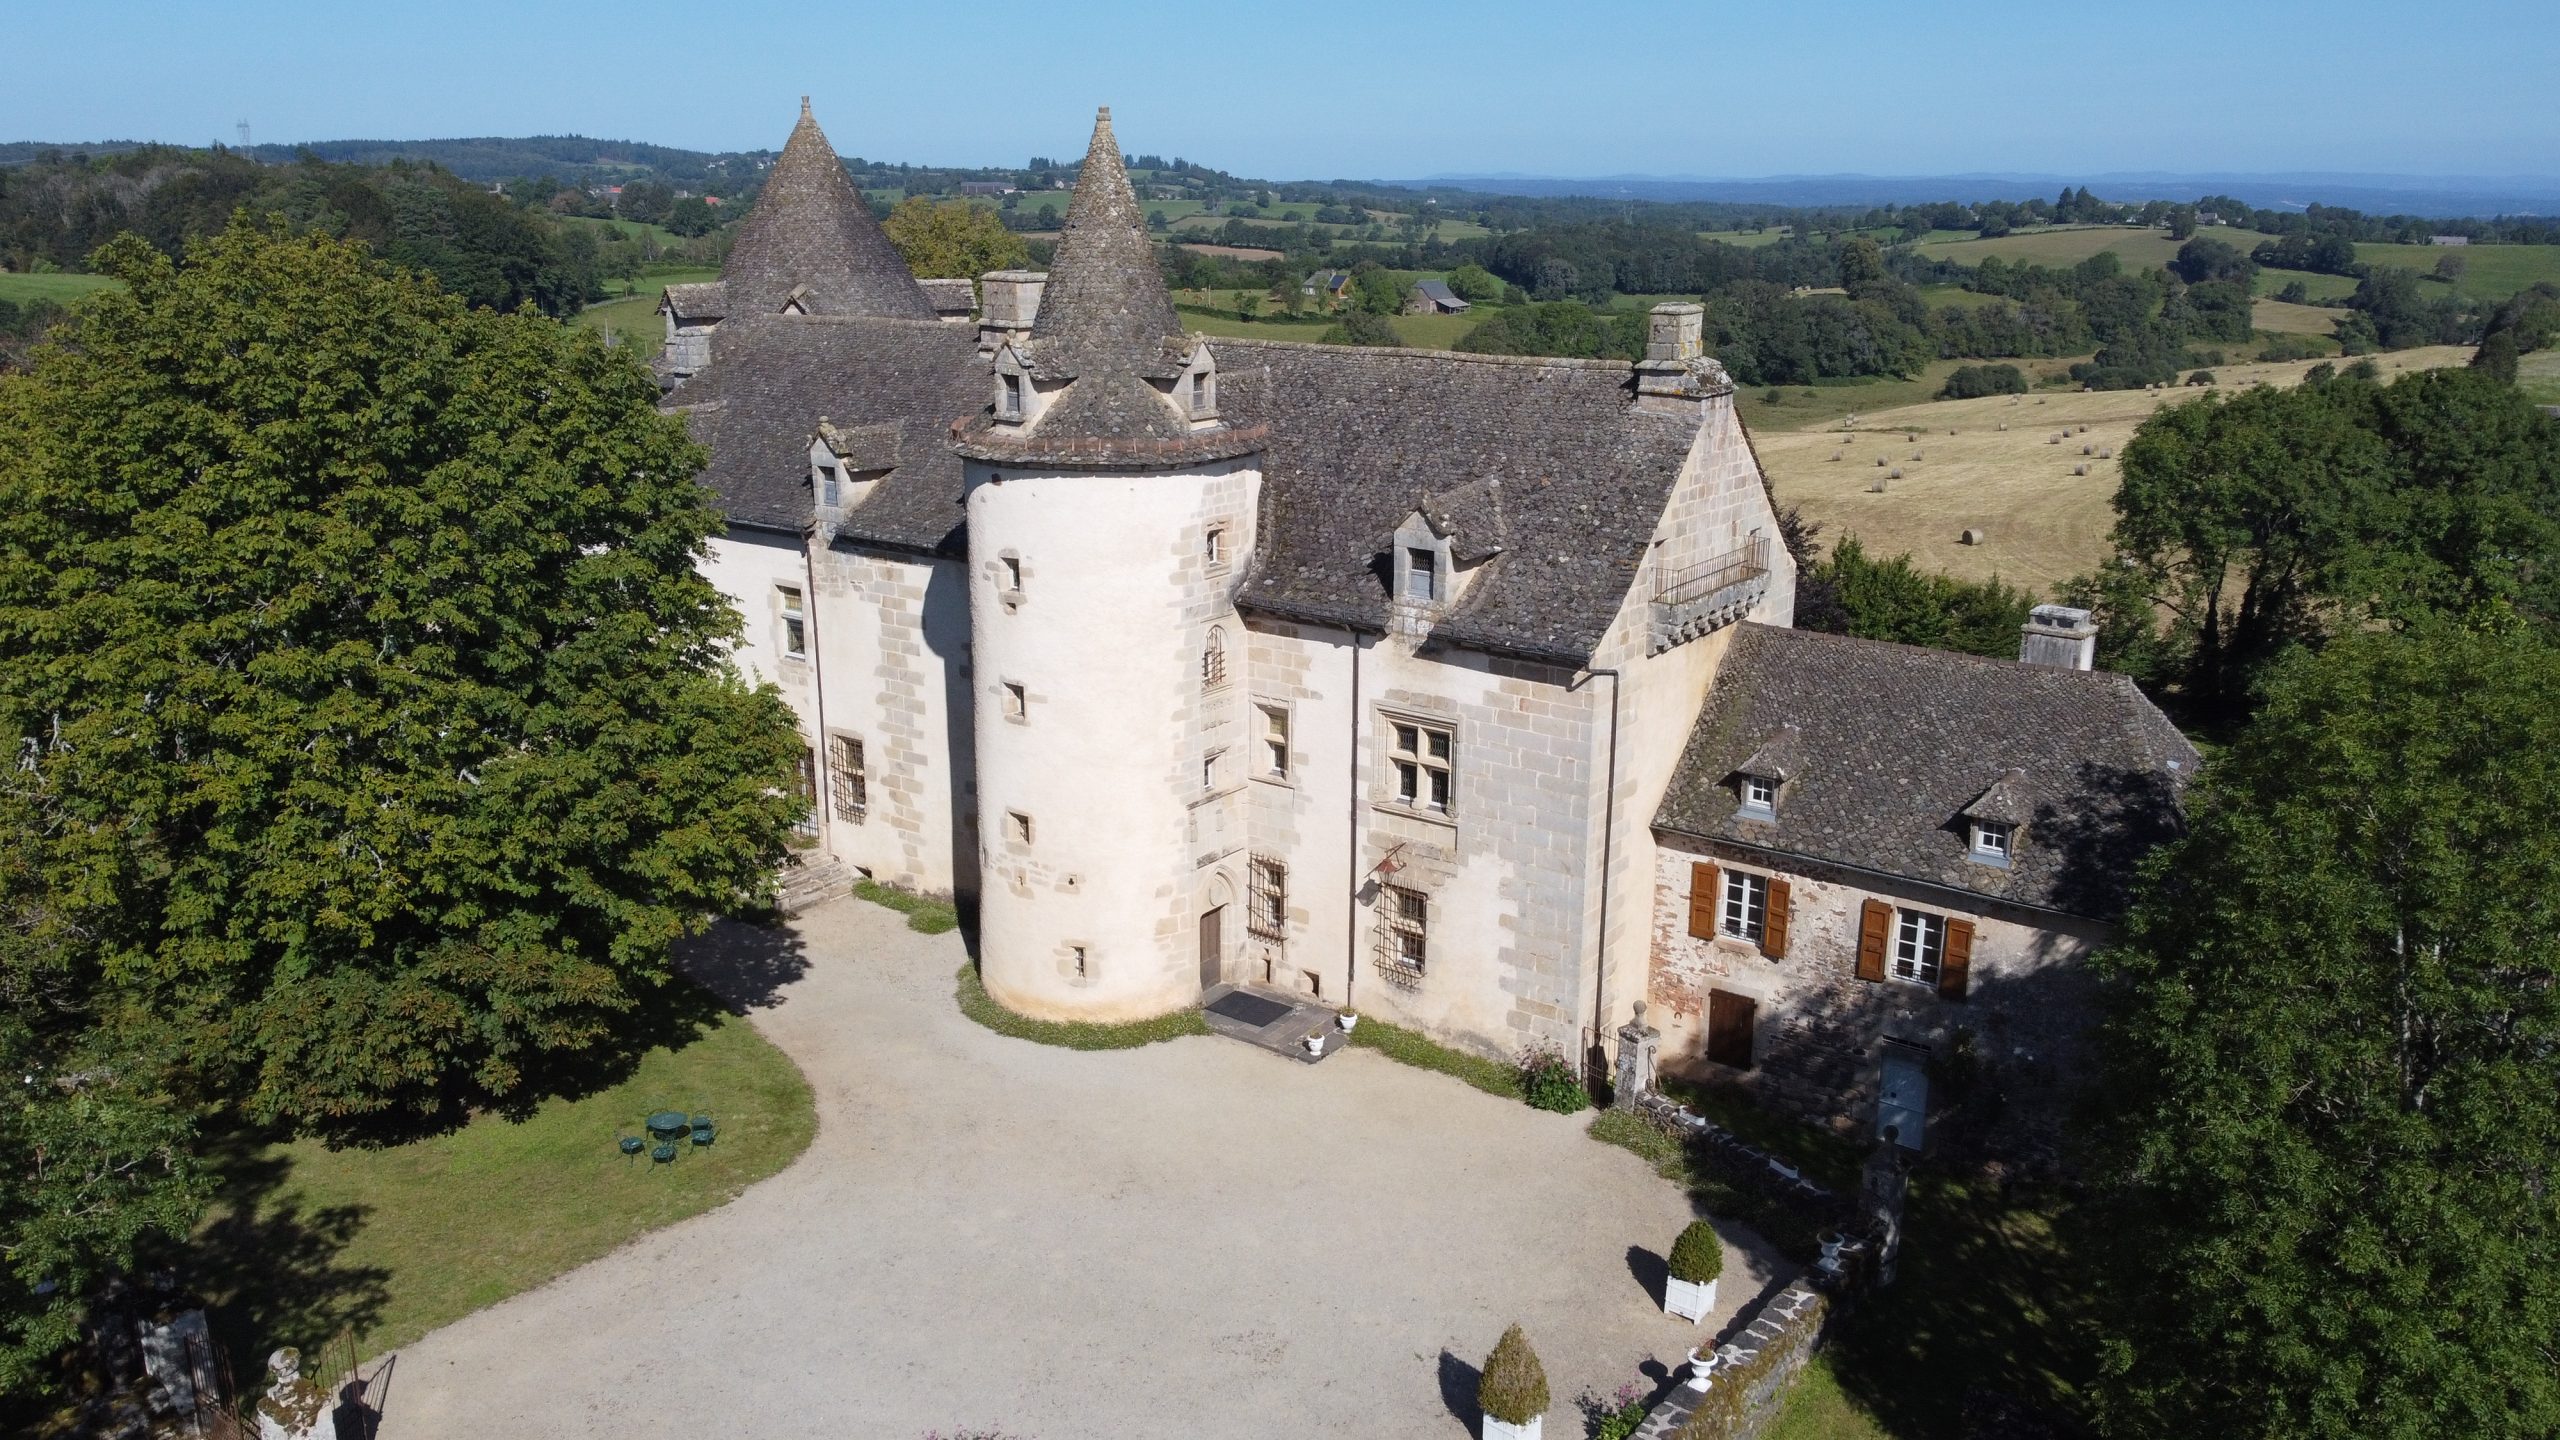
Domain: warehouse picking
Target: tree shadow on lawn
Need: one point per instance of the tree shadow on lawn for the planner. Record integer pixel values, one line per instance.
(746, 964)
(270, 1270)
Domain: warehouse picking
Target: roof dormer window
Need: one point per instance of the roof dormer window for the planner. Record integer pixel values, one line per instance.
(1009, 400)
(1421, 575)
(830, 485)
(1759, 797)
(1993, 842)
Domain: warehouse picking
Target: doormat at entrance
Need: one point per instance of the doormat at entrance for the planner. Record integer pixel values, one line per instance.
(1247, 1009)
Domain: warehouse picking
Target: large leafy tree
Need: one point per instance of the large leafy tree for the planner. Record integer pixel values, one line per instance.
(2275, 518)
(2332, 1110)
(370, 730)
(953, 238)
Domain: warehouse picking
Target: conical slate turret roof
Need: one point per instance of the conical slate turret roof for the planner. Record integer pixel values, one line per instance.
(1105, 307)
(811, 235)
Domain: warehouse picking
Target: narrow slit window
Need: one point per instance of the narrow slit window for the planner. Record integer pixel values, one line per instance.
(830, 486)
(795, 622)
(1275, 742)
(1012, 397)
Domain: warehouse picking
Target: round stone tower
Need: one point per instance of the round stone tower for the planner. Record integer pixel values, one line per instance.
(1109, 508)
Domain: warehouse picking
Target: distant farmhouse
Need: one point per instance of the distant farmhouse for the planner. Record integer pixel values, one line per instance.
(1433, 297)
(1328, 285)
(986, 187)
(1454, 688)
(2448, 239)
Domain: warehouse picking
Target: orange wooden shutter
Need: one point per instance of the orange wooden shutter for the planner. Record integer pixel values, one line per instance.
(1773, 938)
(1703, 898)
(1957, 961)
(1875, 923)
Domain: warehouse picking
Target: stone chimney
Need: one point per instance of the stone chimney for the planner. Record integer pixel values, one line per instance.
(1009, 300)
(1679, 333)
(2059, 636)
(1675, 373)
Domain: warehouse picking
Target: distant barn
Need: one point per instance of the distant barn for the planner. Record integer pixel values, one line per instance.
(1433, 297)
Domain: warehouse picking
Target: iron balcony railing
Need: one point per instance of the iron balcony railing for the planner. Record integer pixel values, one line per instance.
(1699, 582)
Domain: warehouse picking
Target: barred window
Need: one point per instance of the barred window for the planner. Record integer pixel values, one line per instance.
(1213, 660)
(852, 785)
(1408, 920)
(1268, 891)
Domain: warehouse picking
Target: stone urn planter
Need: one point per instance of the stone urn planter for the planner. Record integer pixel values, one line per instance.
(1697, 1259)
(1702, 1368)
(1348, 1020)
(1314, 1043)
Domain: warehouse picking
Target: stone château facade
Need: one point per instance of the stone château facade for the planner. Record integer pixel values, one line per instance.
(1359, 673)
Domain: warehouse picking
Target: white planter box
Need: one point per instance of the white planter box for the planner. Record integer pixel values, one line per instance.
(1687, 1299)
(1505, 1430)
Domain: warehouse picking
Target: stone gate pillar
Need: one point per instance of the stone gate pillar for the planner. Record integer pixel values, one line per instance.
(1638, 1043)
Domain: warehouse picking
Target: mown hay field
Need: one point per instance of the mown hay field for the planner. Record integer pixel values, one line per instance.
(2042, 523)
(2489, 272)
(2139, 249)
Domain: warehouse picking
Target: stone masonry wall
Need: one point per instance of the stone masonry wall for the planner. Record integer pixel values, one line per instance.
(2021, 1028)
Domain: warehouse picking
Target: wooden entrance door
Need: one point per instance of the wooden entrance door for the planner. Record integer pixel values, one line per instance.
(1729, 1028)
(1213, 945)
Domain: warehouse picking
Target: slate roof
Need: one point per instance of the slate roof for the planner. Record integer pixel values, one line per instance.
(811, 234)
(950, 297)
(1362, 438)
(708, 300)
(1439, 293)
(1105, 306)
(772, 378)
(1894, 745)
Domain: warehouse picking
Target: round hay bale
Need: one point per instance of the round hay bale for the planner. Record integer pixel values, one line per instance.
(1876, 487)
(2106, 453)
(2088, 449)
(1895, 474)
(1835, 454)
(2084, 429)
(2053, 439)
(1879, 462)
(1915, 454)
(2004, 424)
(1970, 537)
(2079, 469)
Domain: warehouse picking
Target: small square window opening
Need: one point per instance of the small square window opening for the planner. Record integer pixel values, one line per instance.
(1017, 704)
(1017, 827)
(1012, 571)
(1421, 575)
(1213, 546)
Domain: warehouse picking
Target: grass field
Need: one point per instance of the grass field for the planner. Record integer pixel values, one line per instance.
(2489, 272)
(1422, 332)
(1748, 239)
(2069, 245)
(628, 229)
(2285, 319)
(2042, 523)
(635, 316)
(388, 1243)
(2538, 375)
(58, 288)
(2314, 284)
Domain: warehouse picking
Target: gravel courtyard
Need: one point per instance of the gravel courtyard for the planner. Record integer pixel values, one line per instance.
(1194, 1238)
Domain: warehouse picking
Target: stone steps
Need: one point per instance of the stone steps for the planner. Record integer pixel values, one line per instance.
(811, 880)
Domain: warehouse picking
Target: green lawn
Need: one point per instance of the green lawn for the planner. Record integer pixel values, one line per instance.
(390, 1242)
(1749, 239)
(1212, 312)
(62, 289)
(629, 229)
(1801, 407)
(2489, 272)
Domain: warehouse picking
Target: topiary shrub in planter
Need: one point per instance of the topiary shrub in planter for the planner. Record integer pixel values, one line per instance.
(1697, 1258)
(1513, 1392)
(1548, 1081)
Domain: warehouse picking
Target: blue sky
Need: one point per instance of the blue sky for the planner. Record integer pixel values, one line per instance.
(1321, 90)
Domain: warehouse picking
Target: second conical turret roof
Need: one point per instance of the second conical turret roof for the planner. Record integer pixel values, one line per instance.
(811, 237)
(1105, 307)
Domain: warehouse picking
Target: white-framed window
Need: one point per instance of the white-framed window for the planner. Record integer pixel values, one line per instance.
(1017, 702)
(1919, 944)
(1421, 574)
(1425, 760)
(795, 621)
(1012, 397)
(1213, 659)
(1745, 912)
(1408, 921)
(830, 485)
(847, 776)
(1267, 896)
(1759, 795)
(1213, 546)
(1992, 841)
(1275, 742)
